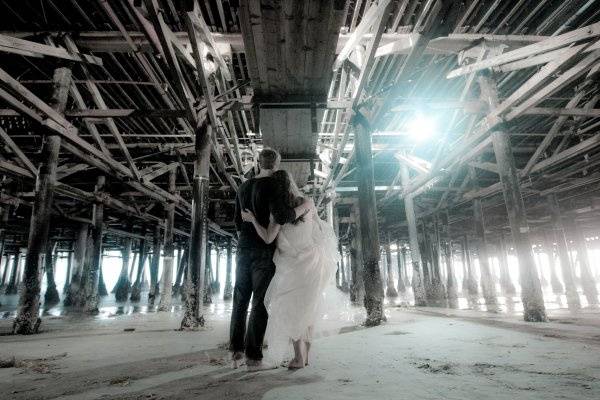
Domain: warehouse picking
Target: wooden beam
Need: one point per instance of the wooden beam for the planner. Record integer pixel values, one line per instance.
(371, 17)
(22, 47)
(552, 43)
(15, 149)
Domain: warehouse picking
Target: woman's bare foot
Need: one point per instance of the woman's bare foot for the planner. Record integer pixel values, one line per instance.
(307, 344)
(296, 363)
(298, 360)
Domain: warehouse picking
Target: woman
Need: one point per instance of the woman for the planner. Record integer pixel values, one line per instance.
(305, 261)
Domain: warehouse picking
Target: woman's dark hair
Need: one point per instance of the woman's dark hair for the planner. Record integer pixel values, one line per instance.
(284, 189)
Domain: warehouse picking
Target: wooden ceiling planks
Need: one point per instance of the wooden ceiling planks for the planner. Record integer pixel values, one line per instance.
(290, 46)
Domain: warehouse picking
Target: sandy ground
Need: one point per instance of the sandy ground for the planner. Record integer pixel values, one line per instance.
(423, 354)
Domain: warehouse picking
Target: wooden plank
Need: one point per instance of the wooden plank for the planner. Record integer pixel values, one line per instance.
(204, 84)
(549, 44)
(160, 171)
(15, 149)
(373, 14)
(25, 47)
(564, 79)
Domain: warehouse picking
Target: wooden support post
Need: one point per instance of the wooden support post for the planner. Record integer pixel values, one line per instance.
(123, 285)
(136, 289)
(357, 287)
(415, 252)
(5, 260)
(451, 284)
(506, 283)
(208, 276)
(91, 273)
(156, 247)
(69, 274)
(4, 211)
(343, 269)
(228, 291)
(557, 286)
(588, 283)
(487, 282)
(438, 291)
(79, 248)
(183, 255)
(169, 250)
(390, 290)
(27, 320)
(133, 264)
(13, 282)
(51, 296)
(566, 266)
(470, 287)
(102, 292)
(197, 261)
(401, 264)
(531, 291)
(369, 230)
(217, 280)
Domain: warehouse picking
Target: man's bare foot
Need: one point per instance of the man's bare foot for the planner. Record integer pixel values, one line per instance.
(296, 363)
(258, 365)
(236, 359)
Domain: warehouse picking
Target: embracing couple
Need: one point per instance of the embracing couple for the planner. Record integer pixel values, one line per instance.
(286, 257)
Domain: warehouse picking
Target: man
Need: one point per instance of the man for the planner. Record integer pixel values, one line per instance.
(255, 267)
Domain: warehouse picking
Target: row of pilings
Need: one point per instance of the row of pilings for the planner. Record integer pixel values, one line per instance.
(474, 270)
(138, 262)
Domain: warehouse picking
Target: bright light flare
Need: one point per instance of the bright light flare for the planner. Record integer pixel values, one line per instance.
(421, 127)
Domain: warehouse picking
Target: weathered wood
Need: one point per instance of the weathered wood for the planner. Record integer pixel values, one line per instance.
(15, 45)
(69, 272)
(51, 297)
(13, 282)
(438, 291)
(209, 283)
(451, 284)
(102, 291)
(369, 230)
(169, 250)
(557, 286)
(136, 289)
(415, 252)
(469, 284)
(568, 274)
(154, 263)
(27, 320)
(588, 283)
(182, 259)
(343, 269)
(123, 285)
(390, 290)
(551, 43)
(197, 259)
(228, 290)
(90, 279)
(79, 249)
(401, 264)
(487, 283)
(357, 288)
(531, 291)
(506, 283)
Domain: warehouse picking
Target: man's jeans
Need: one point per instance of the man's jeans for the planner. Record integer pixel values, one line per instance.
(254, 271)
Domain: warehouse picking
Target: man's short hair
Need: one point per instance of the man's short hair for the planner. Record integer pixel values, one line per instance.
(268, 158)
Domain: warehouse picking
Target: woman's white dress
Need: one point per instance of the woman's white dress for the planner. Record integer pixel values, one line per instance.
(306, 260)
